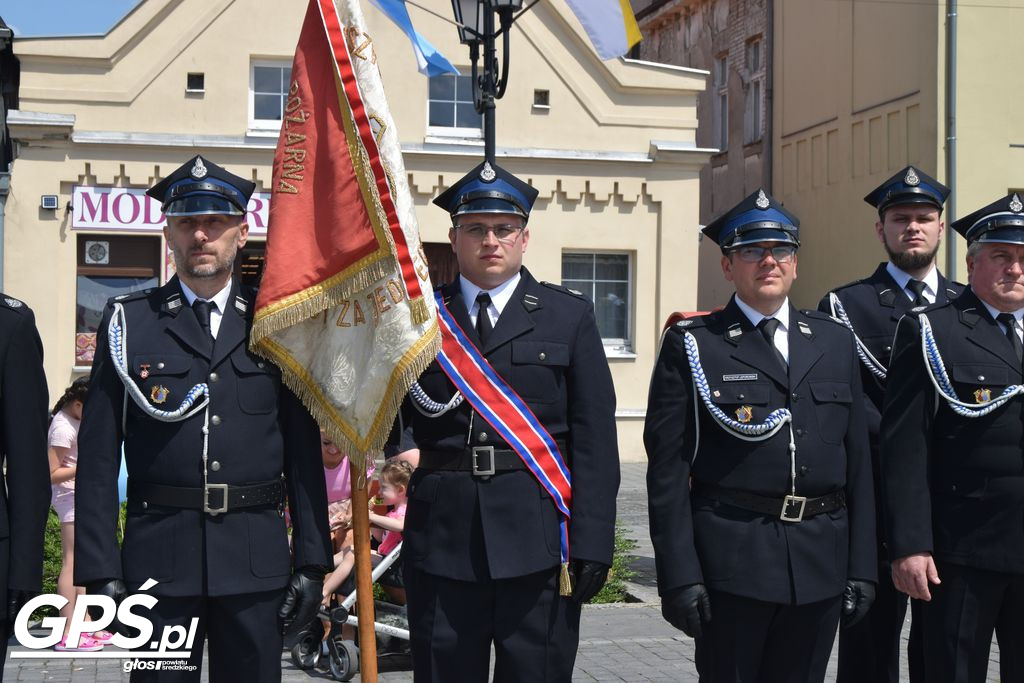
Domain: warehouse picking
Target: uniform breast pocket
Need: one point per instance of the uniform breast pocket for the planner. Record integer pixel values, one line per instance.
(979, 382)
(258, 384)
(163, 378)
(538, 370)
(743, 401)
(832, 407)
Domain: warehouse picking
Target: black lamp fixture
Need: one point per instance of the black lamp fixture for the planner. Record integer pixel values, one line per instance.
(475, 19)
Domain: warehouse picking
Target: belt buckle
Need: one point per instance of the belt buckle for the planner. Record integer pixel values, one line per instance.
(479, 471)
(790, 502)
(209, 509)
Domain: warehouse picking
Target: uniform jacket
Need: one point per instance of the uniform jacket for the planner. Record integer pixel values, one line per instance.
(258, 431)
(874, 306)
(547, 347)
(698, 540)
(25, 485)
(954, 486)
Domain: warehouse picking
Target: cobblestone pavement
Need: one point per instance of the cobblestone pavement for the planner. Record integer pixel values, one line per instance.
(623, 642)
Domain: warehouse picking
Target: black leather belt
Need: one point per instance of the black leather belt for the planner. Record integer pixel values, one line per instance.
(787, 508)
(482, 461)
(213, 499)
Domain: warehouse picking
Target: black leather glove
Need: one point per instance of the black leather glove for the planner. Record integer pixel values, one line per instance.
(687, 608)
(302, 598)
(857, 599)
(588, 578)
(16, 599)
(115, 590)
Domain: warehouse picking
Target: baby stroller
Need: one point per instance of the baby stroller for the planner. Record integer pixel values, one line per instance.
(391, 625)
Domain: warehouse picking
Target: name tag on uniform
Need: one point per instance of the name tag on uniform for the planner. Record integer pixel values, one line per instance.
(748, 377)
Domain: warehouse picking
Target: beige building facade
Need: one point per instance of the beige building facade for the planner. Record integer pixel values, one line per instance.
(860, 92)
(611, 146)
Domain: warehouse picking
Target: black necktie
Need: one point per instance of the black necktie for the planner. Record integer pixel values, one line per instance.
(1010, 322)
(203, 310)
(917, 287)
(768, 327)
(483, 318)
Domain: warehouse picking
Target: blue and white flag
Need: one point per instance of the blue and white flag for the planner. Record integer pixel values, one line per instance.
(428, 60)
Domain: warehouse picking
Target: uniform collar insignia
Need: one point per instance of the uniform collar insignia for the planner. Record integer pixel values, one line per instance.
(805, 329)
(530, 302)
(734, 331)
(762, 200)
(241, 305)
(912, 178)
(1015, 204)
(198, 169)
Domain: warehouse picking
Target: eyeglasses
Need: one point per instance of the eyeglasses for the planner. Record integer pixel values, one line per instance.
(503, 233)
(783, 254)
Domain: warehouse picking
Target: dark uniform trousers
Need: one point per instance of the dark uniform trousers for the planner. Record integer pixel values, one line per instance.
(775, 586)
(954, 487)
(25, 477)
(481, 554)
(230, 569)
(870, 649)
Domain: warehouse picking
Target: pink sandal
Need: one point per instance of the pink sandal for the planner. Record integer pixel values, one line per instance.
(85, 644)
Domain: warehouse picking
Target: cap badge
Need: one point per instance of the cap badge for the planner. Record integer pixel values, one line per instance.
(911, 178)
(158, 394)
(983, 395)
(762, 200)
(745, 413)
(1015, 204)
(198, 169)
(487, 173)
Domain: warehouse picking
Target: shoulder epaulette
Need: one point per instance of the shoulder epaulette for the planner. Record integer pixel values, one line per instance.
(818, 315)
(14, 305)
(565, 290)
(130, 296)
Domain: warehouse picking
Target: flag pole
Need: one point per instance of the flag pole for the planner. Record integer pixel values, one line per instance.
(364, 585)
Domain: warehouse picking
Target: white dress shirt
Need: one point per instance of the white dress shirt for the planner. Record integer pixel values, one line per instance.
(220, 304)
(781, 332)
(931, 282)
(500, 296)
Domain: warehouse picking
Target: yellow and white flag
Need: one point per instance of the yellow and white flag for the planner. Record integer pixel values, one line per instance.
(610, 24)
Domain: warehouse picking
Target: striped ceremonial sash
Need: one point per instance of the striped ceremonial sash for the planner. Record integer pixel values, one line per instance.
(507, 413)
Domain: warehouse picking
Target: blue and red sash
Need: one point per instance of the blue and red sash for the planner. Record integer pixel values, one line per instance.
(503, 409)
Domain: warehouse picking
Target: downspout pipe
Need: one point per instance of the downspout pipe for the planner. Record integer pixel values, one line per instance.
(951, 14)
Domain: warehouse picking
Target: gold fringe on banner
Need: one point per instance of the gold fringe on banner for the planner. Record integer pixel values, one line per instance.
(297, 378)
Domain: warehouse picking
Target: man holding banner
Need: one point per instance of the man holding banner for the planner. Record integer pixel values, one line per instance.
(511, 512)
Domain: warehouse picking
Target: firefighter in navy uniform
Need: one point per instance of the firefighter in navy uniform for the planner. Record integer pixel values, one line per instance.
(910, 228)
(759, 474)
(25, 478)
(953, 462)
(482, 536)
(205, 513)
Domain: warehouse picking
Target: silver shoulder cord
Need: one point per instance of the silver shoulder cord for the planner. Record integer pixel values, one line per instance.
(197, 399)
(746, 431)
(428, 406)
(873, 365)
(944, 388)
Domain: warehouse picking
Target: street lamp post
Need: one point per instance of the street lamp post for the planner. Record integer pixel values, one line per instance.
(477, 29)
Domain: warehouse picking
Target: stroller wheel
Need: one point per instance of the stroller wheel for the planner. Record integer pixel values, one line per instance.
(306, 651)
(344, 659)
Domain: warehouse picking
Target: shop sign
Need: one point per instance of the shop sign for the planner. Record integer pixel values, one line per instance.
(127, 208)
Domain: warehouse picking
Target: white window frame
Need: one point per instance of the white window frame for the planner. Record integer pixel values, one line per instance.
(753, 114)
(721, 102)
(450, 132)
(256, 126)
(614, 346)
